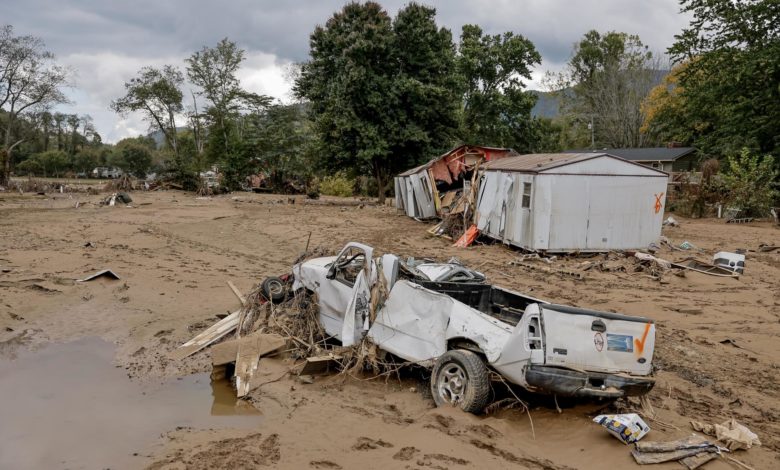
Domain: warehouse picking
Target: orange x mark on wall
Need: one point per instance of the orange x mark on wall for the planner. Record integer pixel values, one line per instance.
(658, 204)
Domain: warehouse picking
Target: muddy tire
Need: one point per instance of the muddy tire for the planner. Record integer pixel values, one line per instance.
(460, 378)
(273, 289)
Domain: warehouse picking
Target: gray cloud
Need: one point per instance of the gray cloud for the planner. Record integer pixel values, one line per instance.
(107, 41)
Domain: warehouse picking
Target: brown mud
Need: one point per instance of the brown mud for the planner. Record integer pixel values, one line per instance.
(716, 350)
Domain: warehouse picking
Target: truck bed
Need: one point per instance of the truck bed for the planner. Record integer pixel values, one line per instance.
(501, 304)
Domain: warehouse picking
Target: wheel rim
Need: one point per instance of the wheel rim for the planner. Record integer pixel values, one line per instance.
(275, 288)
(452, 383)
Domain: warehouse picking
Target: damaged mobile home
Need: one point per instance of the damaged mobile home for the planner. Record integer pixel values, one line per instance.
(565, 202)
(424, 191)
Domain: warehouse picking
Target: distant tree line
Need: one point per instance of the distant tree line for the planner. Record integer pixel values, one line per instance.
(380, 94)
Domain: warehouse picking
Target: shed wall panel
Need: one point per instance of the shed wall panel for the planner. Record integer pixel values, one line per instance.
(572, 212)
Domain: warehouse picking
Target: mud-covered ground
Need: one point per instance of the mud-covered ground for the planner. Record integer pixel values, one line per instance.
(716, 348)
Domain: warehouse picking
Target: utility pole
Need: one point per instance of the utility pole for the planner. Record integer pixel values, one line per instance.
(590, 127)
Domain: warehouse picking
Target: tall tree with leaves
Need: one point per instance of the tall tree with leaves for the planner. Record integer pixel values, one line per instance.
(427, 99)
(213, 70)
(156, 93)
(348, 81)
(604, 85)
(29, 78)
(731, 79)
(496, 109)
(381, 91)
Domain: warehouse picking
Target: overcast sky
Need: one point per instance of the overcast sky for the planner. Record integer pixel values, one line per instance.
(107, 41)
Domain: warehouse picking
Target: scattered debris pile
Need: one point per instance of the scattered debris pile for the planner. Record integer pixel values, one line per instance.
(692, 451)
(112, 200)
(123, 183)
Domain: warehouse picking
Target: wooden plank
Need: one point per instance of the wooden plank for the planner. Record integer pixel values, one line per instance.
(235, 290)
(241, 299)
(320, 364)
(645, 458)
(250, 349)
(696, 461)
(206, 337)
(227, 351)
(693, 441)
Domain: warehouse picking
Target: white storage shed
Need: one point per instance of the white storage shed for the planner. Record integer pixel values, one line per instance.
(571, 202)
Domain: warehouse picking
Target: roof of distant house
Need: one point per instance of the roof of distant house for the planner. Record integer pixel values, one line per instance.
(649, 154)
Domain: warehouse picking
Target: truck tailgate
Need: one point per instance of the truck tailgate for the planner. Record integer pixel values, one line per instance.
(597, 341)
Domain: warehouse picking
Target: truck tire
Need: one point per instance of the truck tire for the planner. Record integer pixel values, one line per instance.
(273, 289)
(460, 378)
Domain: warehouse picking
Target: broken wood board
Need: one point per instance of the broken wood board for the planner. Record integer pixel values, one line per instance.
(695, 461)
(690, 442)
(320, 364)
(646, 458)
(206, 337)
(241, 299)
(235, 290)
(693, 264)
(227, 351)
(249, 350)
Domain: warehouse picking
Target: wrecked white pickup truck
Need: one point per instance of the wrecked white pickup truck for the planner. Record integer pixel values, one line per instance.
(446, 316)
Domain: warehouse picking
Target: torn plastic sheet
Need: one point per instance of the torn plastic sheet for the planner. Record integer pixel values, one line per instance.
(104, 273)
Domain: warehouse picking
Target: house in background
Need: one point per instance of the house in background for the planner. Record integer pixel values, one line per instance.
(668, 159)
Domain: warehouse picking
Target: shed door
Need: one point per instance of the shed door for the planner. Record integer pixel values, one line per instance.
(601, 213)
(613, 215)
(568, 212)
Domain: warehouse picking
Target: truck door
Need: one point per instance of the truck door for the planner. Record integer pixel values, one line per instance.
(342, 293)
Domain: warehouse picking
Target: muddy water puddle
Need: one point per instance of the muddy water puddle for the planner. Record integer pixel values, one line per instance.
(68, 406)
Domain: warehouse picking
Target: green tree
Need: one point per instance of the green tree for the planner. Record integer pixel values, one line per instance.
(156, 93)
(427, 100)
(730, 84)
(214, 71)
(133, 157)
(382, 93)
(86, 160)
(283, 144)
(496, 109)
(606, 81)
(29, 78)
(751, 182)
(348, 81)
(50, 163)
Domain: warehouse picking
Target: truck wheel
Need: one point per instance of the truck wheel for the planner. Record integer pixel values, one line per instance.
(273, 289)
(460, 379)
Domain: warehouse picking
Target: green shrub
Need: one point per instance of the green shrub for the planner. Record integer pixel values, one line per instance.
(337, 185)
(751, 182)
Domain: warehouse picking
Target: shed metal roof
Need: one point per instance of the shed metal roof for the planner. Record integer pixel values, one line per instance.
(649, 154)
(536, 162)
(540, 162)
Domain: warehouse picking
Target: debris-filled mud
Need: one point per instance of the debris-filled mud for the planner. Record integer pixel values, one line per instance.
(715, 351)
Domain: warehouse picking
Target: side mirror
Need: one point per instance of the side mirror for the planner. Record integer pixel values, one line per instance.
(331, 272)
